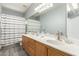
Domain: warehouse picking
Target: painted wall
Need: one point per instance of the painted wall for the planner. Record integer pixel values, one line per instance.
(0, 8)
(54, 20)
(0, 24)
(11, 12)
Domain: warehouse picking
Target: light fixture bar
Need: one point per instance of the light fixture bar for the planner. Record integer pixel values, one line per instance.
(43, 7)
(68, 8)
(38, 7)
(75, 5)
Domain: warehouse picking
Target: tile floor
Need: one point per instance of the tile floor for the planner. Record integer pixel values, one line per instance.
(12, 50)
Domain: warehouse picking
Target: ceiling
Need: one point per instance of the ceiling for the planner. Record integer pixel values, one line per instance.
(21, 7)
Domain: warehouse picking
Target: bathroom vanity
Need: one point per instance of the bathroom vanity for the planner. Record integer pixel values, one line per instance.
(40, 47)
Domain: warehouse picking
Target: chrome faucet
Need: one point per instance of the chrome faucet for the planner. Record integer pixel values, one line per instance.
(59, 34)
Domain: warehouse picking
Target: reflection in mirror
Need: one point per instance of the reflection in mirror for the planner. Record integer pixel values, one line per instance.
(73, 10)
(73, 22)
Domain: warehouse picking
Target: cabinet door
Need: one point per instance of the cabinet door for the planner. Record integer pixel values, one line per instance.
(28, 45)
(25, 42)
(41, 49)
(31, 47)
(55, 52)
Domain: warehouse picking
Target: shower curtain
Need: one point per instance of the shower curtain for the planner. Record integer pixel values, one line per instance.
(11, 28)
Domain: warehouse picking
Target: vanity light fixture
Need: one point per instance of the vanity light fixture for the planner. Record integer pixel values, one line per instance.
(68, 7)
(42, 7)
(74, 5)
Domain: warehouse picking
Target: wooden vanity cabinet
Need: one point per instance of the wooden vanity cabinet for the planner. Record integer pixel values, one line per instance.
(25, 42)
(28, 45)
(35, 48)
(31, 47)
(56, 52)
(41, 49)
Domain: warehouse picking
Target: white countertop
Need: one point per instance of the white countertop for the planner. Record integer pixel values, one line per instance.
(72, 49)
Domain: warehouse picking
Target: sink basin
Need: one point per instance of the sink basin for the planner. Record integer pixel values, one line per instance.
(68, 42)
(55, 42)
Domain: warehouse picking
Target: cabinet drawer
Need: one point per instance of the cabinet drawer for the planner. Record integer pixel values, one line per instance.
(41, 49)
